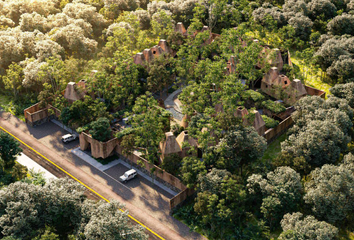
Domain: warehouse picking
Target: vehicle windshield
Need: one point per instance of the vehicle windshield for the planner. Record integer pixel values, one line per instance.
(126, 175)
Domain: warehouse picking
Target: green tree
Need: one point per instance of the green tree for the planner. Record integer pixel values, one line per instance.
(108, 222)
(329, 193)
(27, 211)
(13, 79)
(161, 73)
(281, 191)
(150, 122)
(249, 58)
(299, 164)
(191, 168)
(172, 164)
(319, 143)
(55, 73)
(345, 91)
(295, 226)
(100, 129)
(238, 147)
(220, 202)
(9, 150)
(162, 24)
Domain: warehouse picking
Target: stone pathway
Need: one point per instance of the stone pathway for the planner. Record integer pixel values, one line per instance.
(171, 106)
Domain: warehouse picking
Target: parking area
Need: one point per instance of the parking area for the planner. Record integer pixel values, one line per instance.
(146, 188)
(139, 191)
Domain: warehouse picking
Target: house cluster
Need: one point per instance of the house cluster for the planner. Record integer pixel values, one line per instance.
(183, 143)
(273, 83)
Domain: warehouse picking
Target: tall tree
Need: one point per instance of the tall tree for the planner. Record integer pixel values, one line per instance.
(296, 226)
(329, 191)
(13, 79)
(281, 191)
(27, 210)
(238, 147)
(9, 150)
(161, 73)
(220, 202)
(151, 122)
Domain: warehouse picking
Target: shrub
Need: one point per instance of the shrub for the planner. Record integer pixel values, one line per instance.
(275, 107)
(124, 132)
(254, 96)
(100, 129)
(270, 122)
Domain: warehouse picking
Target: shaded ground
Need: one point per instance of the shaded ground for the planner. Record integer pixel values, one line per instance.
(274, 149)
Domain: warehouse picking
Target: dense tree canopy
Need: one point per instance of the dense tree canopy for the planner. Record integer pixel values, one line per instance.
(329, 191)
(295, 226)
(27, 209)
(281, 191)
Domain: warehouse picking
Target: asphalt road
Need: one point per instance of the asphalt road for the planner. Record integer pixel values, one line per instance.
(151, 205)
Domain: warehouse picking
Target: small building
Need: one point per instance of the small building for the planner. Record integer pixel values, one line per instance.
(185, 143)
(279, 86)
(169, 146)
(73, 92)
(259, 123)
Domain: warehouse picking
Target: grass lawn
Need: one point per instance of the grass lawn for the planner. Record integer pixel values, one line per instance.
(4, 100)
(8, 105)
(107, 160)
(313, 79)
(273, 149)
(346, 235)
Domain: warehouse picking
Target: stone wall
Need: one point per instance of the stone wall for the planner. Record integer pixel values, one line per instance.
(98, 149)
(178, 199)
(315, 92)
(35, 115)
(271, 134)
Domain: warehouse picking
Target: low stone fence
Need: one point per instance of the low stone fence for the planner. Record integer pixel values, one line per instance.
(271, 134)
(178, 199)
(98, 149)
(35, 115)
(315, 92)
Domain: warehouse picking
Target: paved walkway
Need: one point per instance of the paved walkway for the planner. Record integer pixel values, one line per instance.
(24, 160)
(153, 216)
(87, 158)
(171, 106)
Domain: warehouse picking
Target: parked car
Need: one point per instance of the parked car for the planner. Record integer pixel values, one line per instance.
(128, 175)
(68, 138)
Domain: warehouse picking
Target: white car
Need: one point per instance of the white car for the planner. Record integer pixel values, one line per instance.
(128, 175)
(68, 138)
